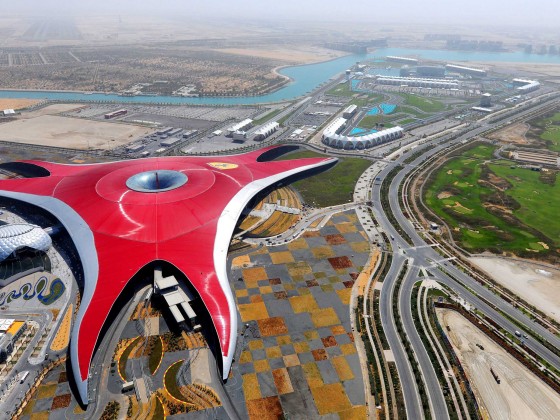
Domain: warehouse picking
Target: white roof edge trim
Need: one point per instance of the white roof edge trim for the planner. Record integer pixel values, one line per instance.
(83, 239)
(224, 231)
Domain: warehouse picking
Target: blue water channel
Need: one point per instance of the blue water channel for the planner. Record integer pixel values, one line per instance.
(304, 78)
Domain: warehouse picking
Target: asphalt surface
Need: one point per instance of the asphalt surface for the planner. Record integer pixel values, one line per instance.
(421, 255)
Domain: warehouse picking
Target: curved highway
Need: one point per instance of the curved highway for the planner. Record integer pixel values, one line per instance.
(423, 255)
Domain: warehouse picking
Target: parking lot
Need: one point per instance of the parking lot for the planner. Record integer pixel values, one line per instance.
(215, 114)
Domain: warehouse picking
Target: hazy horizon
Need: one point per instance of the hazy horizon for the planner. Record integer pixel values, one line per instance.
(539, 13)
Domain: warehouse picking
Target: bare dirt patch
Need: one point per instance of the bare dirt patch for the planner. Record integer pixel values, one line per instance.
(9, 103)
(537, 284)
(520, 394)
(52, 110)
(444, 194)
(514, 133)
(55, 131)
(499, 183)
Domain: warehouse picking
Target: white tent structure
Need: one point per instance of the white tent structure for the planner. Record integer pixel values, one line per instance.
(18, 236)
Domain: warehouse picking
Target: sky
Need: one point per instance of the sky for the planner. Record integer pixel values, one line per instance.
(500, 12)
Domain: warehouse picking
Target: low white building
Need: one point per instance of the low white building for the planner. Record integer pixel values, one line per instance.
(526, 86)
(266, 130)
(240, 126)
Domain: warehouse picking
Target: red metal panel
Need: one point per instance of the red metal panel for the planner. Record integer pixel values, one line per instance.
(132, 228)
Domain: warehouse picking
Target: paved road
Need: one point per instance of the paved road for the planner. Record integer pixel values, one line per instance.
(423, 256)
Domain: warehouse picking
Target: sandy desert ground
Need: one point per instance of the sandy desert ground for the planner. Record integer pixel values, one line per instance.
(57, 131)
(299, 54)
(51, 110)
(514, 133)
(538, 285)
(9, 103)
(520, 395)
(537, 69)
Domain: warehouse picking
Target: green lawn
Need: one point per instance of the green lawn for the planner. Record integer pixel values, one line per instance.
(267, 117)
(423, 104)
(540, 202)
(156, 353)
(412, 112)
(551, 134)
(455, 194)
(369, 121)
(366, 99)
(334, 186)
(159, 413)
(124, 357)
(342, 89)
(170, 380)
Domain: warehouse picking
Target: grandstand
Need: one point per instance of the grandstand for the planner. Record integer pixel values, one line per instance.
(465, 70)
(405, 60)
(333, 139)
(416, 82)
(526, 86)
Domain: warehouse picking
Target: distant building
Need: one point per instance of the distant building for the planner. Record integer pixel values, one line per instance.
(266, 130)
(170, 141)
(190, 133)
(486, 100)
(333, 139)
(349, 111)
(165, 130)
(135, 148)
(417, 82)
(405, 71)
(239, 135)
(465, 70)
(240, 126)
(8, 112)
(10, 331)
(430, 71)
(526, 86)
(405, 60)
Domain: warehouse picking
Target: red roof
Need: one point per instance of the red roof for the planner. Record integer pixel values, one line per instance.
(132, 229)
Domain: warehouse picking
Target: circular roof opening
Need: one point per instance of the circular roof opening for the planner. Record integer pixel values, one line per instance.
(156, 181)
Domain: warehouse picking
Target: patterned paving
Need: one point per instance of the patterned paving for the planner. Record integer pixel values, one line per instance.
(298, 352)
(52, 398)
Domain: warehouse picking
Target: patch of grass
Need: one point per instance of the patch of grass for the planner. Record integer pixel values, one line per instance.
(366, 99)
(267, 117)
(124, 357)
(370, 121)
(478, 206)
(422, 103)
(550, 131)
(332, 187)
(342, 89)
(46, 391)
(159, 413)
(170, 380)
(540, 202)
(156, 354)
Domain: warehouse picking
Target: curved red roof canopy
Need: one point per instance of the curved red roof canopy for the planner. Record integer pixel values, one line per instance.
(117, 229)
